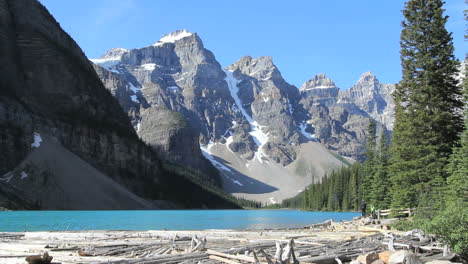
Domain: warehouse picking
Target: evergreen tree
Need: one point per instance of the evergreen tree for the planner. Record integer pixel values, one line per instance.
(457, 191)
(369, 164)
(380, 196)
(354, 181)
(428, 119)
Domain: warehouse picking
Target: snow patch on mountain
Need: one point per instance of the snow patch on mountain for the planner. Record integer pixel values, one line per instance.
(302, 128)
(173, 89)
(24, 175)
(256, 132)
(173, 37)
(272, 200)
(135, 90)
(108, 64)
(7, 177)
(37, 141)
(207, 154)
(134, 99)
(149, 66)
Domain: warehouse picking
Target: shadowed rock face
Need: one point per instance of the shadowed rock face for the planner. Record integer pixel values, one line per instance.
(49, 88)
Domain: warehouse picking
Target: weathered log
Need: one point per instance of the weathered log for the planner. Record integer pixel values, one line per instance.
(164, 259)
(65, 249)
(338, 261)
(324, 224)
(265, 255)
(286, 256)
(237, 257)
(256, 261)
(225, 260)
(279, 252)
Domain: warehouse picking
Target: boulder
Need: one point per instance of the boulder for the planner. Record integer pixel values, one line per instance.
(385, 255)
(37, 259)
(403, 257)
(368, 258)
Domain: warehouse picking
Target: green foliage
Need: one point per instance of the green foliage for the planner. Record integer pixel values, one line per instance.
(406, 224)
(427, 114)
(451, 225)
(371, 158)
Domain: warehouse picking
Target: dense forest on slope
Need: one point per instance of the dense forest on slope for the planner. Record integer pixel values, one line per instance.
(345, 188)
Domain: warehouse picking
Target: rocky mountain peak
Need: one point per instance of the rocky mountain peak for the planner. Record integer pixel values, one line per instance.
(115, 53)
(173, 37)
(319, 81)
(261, 68)
(368, 78)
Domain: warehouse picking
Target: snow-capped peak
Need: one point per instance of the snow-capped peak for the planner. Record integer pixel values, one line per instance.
(173, 37)
(320, 81)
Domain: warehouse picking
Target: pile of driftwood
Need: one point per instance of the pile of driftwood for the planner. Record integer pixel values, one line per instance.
(381, 248)
(354, 245)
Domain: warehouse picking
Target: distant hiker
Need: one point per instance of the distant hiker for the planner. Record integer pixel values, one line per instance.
(372, 209)
(363, 208)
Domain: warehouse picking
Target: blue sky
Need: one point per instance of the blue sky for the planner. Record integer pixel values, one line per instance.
(340, 38)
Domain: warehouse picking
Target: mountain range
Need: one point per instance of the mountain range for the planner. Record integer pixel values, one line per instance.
(164, 126)
(267, 138)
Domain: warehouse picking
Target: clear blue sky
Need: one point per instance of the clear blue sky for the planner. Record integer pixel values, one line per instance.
(340, 38)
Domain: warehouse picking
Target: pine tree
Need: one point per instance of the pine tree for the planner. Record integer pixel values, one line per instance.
(457, 191)
(380, 196)
(428, 119)
(369, 164)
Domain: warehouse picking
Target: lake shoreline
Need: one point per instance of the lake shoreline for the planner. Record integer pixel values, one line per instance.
(162, 220)
(65, 246)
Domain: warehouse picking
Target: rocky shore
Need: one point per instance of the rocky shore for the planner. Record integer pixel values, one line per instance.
(326, 243)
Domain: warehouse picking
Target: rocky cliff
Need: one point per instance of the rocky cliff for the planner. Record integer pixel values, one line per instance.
(66, 143)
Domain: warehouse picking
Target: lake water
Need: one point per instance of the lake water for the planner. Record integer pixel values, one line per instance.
(158, 220)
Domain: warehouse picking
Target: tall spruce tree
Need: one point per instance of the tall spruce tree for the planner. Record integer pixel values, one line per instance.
(380, 182)
(428, 119)
(370, 163)
(457, 191)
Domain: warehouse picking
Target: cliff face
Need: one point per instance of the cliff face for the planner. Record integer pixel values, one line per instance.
(49, 90)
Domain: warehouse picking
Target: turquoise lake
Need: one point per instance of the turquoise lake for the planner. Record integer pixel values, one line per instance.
(159, 220)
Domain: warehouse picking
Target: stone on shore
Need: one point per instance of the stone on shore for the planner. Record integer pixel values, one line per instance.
(404, 257)
(368, 258)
